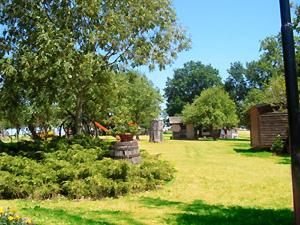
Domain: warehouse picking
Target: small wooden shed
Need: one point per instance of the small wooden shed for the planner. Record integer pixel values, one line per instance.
(266, 124)
(181, 130)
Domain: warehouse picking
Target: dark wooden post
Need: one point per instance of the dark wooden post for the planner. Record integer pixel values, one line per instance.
(292, 101)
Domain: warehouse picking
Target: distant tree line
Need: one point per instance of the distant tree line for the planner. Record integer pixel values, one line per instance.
(256, 82)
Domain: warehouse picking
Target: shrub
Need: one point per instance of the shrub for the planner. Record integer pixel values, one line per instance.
(8, 217)
(153, 168)
(278, 145)
(75, 169)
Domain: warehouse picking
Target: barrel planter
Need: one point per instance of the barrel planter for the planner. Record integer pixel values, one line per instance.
(127, 150)
(126, 137)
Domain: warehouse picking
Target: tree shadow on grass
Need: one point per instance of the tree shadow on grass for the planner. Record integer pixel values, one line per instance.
(105, 217)
(157, 202)
(285, 160)
(116, 215)
(201, 213)
(234, 139)
(225, 139)
(263, 153)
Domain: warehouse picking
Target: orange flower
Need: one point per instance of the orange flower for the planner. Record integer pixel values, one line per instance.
(132, 123)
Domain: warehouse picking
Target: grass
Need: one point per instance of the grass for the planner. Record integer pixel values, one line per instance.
(217, 182)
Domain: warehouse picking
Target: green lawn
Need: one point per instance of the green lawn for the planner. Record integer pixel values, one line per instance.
(217, 182)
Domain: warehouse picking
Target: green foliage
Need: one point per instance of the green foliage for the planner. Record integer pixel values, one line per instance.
(254, 97)
(123, 126)
(212, 109)
(278, 145)
(137, 100)
(152, 169)
(258, 78)
(275, 93)
(236, 83)
(269, 64)
(237, 86)
(74, 169)
(9, 217)
(187, 83)
(76, 48)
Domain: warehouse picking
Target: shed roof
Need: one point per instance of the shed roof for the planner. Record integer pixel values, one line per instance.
(262, 108)
(175, 119)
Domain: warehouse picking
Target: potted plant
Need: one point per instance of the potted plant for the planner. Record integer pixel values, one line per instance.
(125, 129)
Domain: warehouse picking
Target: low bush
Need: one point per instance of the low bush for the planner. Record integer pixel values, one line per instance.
(75, 169)
(8, 217)
(278, 145)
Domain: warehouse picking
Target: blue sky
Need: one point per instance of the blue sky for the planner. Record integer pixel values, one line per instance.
(222, 32)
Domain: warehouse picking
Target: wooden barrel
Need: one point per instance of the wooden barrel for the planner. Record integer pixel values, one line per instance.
(128, 150)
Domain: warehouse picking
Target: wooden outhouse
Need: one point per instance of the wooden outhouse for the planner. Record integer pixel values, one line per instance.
(266, 124)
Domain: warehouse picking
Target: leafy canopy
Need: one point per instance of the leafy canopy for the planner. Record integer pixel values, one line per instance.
(213, 109)
(236, 83)
(116, 31)
(64, 53)
(137, 99)
(187, 83)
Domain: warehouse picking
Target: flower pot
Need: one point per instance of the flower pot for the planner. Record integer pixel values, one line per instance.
(126, 137)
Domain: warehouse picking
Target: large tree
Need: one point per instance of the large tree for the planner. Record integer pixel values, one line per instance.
(187, 83)
(273, 94)
(258, 73)
(212, 109)
(254, 96)
(236, 83)
(63, 52)
(244, 83)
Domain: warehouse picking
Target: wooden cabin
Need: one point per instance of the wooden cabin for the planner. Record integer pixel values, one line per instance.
(181, 130)
(266, 124)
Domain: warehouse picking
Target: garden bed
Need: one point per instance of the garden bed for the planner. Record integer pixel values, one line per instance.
(77, 169)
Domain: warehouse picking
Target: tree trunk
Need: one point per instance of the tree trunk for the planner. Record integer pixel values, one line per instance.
(212, 133)
(18, 132)
(137, 121)
(34, 135)
(45, 128)
(137, 136)
(78, 114)
(201, 131)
